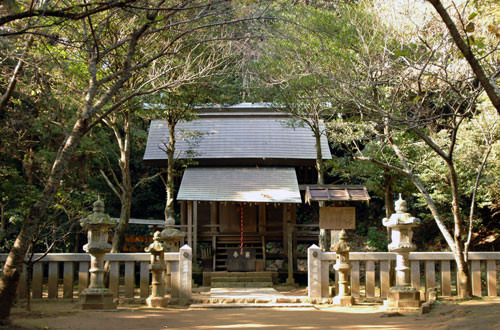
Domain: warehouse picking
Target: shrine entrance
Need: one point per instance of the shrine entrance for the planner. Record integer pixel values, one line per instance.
(232, 215)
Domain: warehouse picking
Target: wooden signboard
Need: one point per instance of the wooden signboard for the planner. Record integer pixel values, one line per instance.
(337, 217)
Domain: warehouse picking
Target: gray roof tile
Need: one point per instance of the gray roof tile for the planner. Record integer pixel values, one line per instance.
(239, 137)
(240, 184)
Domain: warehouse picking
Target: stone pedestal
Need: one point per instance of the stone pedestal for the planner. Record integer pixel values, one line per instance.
(343, 267)
(97, 299)
(96, 296)
(402, 295)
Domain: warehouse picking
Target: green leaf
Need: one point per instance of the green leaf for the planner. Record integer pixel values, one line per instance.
(473, 15)
(402, 53)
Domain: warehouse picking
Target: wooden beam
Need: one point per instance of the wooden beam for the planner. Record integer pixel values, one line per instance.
(285, 229)
(183, 213)
(190, 222)
(262, 218)
(195, 231)
(214, 216)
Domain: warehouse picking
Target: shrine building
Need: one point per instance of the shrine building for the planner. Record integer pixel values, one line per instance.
(248, 168)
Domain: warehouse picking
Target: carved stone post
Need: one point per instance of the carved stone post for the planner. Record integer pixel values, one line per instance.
(97, 224)
(402, 223)
(157, 267)
(165, 241)
(343, 266)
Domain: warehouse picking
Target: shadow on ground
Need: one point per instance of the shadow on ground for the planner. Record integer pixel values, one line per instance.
(447, 314)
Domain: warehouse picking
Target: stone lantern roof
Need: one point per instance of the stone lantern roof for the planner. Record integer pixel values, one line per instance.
(157, 246)
(98, 217)
(341, 245)
(401, 217)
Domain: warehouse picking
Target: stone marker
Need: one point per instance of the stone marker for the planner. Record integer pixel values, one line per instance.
(402, 295)
(343, 267)
(97, 224)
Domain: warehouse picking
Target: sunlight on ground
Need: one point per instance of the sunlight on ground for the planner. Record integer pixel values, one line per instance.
(236, 326)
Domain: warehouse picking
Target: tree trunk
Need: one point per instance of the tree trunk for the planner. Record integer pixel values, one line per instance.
(126, 187)
(388, 199)
(14, 263)
(463, 276)
(3, 221)
(29, 280)
(320, 169)
(169, 206)
(320, 166)
(121, 229)
(488, 84)
(4, 100)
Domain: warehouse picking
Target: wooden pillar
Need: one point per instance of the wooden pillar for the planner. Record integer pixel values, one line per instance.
(214, 252)
(262, 218)
(293, 240)
(289, 230)
(183, 215)
(285, 227)
(190, 222)
(214, 216)
(195, 231)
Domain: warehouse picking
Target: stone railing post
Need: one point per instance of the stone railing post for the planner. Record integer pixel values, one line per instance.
(185, 273)
(317, 273)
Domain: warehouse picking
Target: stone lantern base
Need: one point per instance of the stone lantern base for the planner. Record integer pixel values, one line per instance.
(343, 301)
(97, 299)
(156, 302)
(402, 297)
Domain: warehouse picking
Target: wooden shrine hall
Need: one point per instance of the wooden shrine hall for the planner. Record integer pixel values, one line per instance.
(240, 194)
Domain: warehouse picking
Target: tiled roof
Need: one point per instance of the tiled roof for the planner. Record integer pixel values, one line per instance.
(244, 136)
(240, 184)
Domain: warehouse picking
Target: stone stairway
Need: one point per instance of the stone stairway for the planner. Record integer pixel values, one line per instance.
(248, 298)
(241, 280)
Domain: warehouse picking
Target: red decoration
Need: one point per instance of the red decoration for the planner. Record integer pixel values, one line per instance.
(241, 229)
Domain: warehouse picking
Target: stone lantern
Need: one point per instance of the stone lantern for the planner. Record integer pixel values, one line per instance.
(343, 267)
(157, 266)
(97, 224)
(402, 224)
(165, 241)
(171, 236)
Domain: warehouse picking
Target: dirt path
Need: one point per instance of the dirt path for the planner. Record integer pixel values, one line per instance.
(475, 314)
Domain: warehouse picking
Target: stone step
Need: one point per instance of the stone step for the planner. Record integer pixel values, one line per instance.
(246, 274)
(252, 305)
(228, 284)
(242, 279)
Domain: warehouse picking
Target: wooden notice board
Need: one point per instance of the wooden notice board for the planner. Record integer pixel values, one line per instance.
(337, 217)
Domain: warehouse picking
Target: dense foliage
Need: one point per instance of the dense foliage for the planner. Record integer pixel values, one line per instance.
(411, 105)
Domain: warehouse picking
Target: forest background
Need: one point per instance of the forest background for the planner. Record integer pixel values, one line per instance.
(409, 96)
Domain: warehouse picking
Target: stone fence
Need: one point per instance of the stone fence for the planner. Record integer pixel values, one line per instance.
(70, 272)
(371, 273)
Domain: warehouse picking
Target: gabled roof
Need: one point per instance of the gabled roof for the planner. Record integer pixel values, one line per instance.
(240, 184)
(246, 136)
(316, 192)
